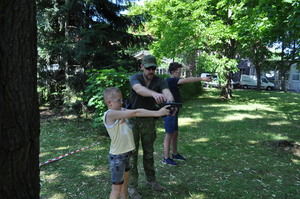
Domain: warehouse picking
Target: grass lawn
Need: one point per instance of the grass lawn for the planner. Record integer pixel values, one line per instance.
(228, 146)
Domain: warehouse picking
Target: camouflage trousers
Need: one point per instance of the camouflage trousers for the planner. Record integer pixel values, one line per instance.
(143, 129)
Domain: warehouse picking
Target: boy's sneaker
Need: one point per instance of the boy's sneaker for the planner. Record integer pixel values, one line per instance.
(178, 157)
(169, 161)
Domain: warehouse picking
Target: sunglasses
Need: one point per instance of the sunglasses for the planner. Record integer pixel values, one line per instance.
(151, 68)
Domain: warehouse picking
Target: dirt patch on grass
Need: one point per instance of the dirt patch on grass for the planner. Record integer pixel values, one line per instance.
(290, 146)
(47, 113)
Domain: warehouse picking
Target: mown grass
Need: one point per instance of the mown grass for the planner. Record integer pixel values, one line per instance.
(228, 146)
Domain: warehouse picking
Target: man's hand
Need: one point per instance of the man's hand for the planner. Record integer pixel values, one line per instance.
(159, 97)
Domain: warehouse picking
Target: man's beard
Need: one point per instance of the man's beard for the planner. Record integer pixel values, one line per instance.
(149, 77)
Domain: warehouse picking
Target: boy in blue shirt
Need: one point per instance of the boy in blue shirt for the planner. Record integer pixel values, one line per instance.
(171, 122)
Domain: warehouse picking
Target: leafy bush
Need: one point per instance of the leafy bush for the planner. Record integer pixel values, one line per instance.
(187, 91)
(99, 80)
(190, 90)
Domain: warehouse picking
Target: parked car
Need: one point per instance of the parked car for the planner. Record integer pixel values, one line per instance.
(249, 81)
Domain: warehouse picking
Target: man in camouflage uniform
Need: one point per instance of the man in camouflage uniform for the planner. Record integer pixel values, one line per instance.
(147, 89)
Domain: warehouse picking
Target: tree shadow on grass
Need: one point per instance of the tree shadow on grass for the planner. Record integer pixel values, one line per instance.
(84, 174)
(227, 145)
(230, 152)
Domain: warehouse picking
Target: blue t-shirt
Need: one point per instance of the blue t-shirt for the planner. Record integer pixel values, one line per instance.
(173, 86)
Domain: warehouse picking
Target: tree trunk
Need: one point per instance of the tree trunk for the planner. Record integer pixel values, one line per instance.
(19, 112)
(282, 73)
(258, 75)
(283, 86)
(226, 91)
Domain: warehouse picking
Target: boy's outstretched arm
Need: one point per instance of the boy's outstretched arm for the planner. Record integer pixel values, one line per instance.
(114, 115)
(193, 79)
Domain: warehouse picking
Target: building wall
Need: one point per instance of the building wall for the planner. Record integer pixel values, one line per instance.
(293, 78)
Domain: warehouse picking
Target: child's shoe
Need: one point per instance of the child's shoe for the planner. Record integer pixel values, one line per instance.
(169, 161)
(178, 157)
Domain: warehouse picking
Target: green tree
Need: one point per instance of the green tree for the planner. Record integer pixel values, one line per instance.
(269, 23)
(198, 30)
(219, 32)
(284, 17)
(79, 35)
(255, 30)
(19, 111)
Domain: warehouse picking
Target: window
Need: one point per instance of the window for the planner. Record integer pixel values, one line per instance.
(296, 76)
(264, 80)
(243, 71)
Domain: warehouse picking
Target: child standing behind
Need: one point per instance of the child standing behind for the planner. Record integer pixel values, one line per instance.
(122, 143)
(171, 122)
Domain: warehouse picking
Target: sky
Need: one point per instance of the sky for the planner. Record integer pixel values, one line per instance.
(140, 2)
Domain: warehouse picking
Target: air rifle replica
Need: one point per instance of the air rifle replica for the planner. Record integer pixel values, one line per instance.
(172, 105)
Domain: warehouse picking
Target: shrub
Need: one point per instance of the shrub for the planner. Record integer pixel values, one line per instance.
(99, 80)
(190, 90)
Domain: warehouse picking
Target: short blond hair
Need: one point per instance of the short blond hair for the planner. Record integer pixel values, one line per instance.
(110, 92)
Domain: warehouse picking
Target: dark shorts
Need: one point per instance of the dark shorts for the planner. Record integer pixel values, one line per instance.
(171, 123)
(119, 164)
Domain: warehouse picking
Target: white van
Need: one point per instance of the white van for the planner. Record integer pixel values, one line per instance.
(249, 81)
